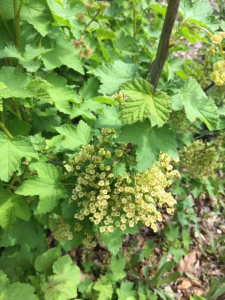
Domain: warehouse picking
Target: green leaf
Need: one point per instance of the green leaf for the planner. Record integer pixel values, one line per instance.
(4, 281)
(75, 137)
(198, 105)
(65, 12)
(126, 291)
(12, 206)
(143, 103)
(89, 89)
(177, 253)
(113, 241)
(117, 267)
(168, 279)
(47, 185)
(6, 8)
(219, 292)
(150, 142)
(20, 291)
(104, 99)
(27, 58)
(60, 94)
(196, 12)
(62, 285)
(104, 34)
(214, 286)
(15, 83)
(104, 288)
(44, 262)
(11, 153)
(119, 169)
(37, 14)
(126, 43)
(113, 75)
(18, 127)
(63, 54)
(110, 118)
(87, 109)
(165, 268)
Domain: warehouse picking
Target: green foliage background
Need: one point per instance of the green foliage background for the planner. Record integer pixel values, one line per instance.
(70, 68)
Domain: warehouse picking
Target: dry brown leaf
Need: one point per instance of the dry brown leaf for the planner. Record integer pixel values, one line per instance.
(198, 291)
(185, 284)
(187, 263)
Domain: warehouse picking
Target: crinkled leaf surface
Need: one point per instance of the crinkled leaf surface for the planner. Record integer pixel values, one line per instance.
(15, 83)
(12, 206)
(63, 54)
(89, 89)
(62, 285)
(198, 105)
(60, 94)
(113, 241)
(142, 103)
(126, 291)
(112, 75)
(37, 14)
(11, 153)
(88, 109)
(47, 185)
(110, 118)
(44, 262)
(18, 291)
(27, 58)
(104, 288)
(75, 136)
(117, 268)
(150, 142)
(64, 12)
(196, 11)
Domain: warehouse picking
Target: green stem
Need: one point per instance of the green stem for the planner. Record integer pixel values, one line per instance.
(18, 111)
(202, 28)
(134, 19)
(221, 51)
(17, 23)
(5, 130)
(92, 20)
(2, 117)
(134, 24)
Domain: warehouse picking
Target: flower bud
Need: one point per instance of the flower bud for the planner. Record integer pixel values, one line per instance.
(216, 39)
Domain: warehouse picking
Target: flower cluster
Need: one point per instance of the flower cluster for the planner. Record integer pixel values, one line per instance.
(59, 229)
(218, 37)
(179, 122)
(200, 160)
(218, 74)
(114, 199)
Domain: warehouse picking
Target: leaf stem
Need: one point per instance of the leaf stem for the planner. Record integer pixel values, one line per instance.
(202, 28)
(17, 23)
(162, 51)
(5, 130)
(18, 111)
(134, 19)
(2, 117)
(92, 20)
(134, 25)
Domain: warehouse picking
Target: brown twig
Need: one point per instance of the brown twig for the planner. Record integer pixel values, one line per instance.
(162, 51)
(209, 87)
